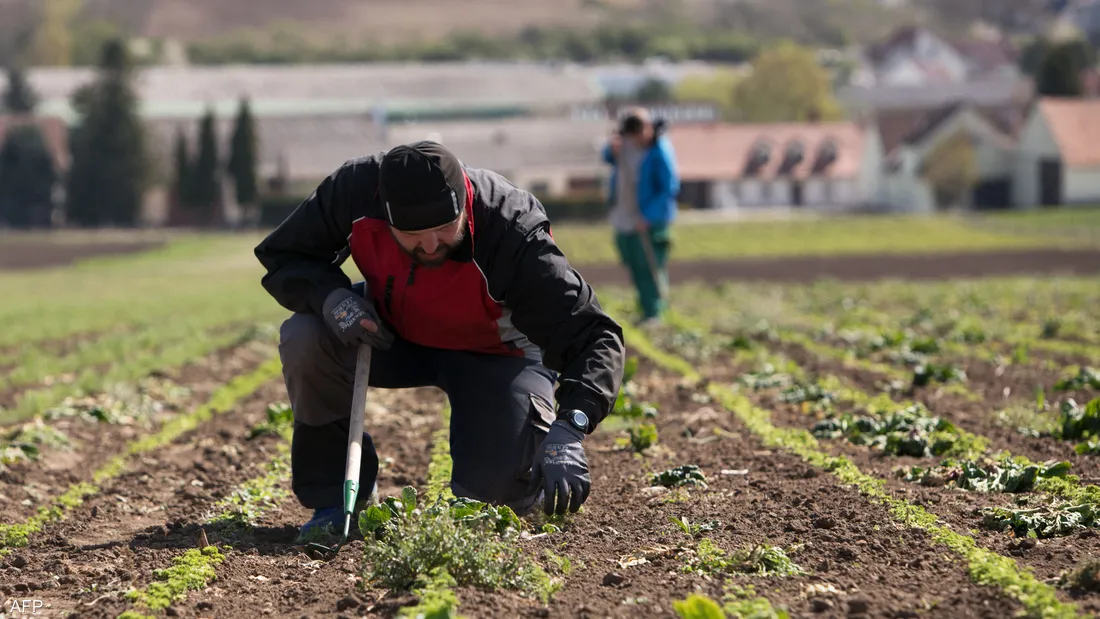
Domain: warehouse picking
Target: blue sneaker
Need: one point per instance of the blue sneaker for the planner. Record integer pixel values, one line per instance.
(327, 523)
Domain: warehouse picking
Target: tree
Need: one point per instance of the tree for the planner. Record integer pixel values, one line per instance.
(53, 39)
(951, 168)
(27, 178)
(717, 88)
(110, 168)
(243, 158)
(786, 85)
(1059, 71)
(654, 90)
(206, 179)
(19, 98)
(182, 191)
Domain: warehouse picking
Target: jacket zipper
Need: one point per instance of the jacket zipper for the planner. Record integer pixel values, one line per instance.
(389, 295)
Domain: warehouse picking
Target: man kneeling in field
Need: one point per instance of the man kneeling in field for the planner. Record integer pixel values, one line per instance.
(464, 289)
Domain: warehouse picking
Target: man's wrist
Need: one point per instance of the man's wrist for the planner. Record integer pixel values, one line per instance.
(576, 419)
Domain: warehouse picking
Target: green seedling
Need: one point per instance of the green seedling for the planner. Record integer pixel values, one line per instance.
(1080, 422)
(1040, 522)
(694, 529)
(812, 396)
(767, 378)
(681, 476)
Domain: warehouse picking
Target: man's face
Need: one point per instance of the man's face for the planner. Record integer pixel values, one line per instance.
(430, 248)
(642, 137)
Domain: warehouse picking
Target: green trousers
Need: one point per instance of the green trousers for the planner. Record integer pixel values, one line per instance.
(632, 253)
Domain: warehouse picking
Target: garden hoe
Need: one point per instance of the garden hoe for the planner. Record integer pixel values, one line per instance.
(651, 258)
(355, 446)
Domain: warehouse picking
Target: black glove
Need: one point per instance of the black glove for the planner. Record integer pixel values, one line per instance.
(561, 468)
(342, 311)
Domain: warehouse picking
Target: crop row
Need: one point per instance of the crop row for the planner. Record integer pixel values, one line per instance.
(985, 566)
(224, 399)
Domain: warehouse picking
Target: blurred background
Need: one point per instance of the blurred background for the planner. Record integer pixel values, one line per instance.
(166, 115)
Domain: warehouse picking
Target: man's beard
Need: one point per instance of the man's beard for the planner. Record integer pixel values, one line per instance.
(443, 252)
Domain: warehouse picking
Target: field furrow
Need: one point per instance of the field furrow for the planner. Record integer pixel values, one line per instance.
(83, 434)
(985, 566)
(265, 574)
(626, 557)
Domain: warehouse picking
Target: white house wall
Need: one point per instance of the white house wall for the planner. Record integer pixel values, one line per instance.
(815, 192)
(722, 195)
(1081, 185)
(1036, 142)
(870, 168)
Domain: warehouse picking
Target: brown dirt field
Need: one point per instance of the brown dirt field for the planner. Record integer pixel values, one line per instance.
(976, 417)
(138, 522)
(868, 267)
(847, 543)
(1048, 558)
(94, 443)
(24, 256)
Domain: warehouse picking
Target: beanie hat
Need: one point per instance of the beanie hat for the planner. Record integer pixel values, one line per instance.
(421, 185)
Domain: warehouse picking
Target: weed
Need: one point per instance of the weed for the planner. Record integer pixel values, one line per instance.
(1080, 422)
(26, 443)
(190, 571)
(681, 476)
(469, 540)
(279, 416)
(561, 563)
(437, 599)
(626, 404)
(708, 559)
(1086, 577)
(769, 377)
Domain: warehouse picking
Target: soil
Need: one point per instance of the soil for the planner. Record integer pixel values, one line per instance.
(20, 256)
(977, 417)
(856, 557)
(868, 267)
(115, 540)
(26, 485)
(1048, 558)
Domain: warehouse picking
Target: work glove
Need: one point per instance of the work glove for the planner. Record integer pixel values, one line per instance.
(343, 312)
(561, 468)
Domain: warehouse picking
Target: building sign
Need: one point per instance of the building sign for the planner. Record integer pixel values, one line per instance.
(671, 112)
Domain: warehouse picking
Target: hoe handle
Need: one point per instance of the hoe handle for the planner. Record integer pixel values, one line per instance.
(355, 433)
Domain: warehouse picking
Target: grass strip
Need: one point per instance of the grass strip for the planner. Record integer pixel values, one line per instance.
(985, 567)
(224, 399)
(439, 469)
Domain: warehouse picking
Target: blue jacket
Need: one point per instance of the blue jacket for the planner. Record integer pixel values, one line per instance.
(658, 181)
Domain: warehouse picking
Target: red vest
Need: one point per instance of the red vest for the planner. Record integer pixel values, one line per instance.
(444, 307)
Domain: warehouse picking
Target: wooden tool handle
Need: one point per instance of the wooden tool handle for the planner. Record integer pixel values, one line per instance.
(358, 412)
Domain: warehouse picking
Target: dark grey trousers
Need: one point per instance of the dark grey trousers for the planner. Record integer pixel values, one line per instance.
(501, 409)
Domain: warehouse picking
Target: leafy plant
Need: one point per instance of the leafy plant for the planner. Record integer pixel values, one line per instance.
(906, 432)
(928, 373)
(639, 438)
(1041, 522)
(767, 378)
(626, 404)
(816, 396)
(1085, 378)
(681, 476)
(1005, 475)
(1080, 422)
(470, 540)
(279, 416)
(1086, 577)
